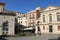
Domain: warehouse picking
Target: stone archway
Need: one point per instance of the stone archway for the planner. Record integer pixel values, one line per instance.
(5, 27)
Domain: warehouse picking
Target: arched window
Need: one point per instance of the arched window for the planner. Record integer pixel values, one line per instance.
(58, 16)
(43, 18)
(50, 17)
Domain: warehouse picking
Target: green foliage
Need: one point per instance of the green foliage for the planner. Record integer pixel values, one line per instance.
(21, 34)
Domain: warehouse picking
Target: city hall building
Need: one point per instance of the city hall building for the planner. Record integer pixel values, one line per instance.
(49, 21)
(7, 21)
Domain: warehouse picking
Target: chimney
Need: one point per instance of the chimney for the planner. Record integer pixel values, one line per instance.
(2, 6)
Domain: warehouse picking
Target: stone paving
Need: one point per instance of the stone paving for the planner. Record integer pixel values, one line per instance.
(41, 37)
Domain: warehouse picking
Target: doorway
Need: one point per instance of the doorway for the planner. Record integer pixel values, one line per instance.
(50, 28)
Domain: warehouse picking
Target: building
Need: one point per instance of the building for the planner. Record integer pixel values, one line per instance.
(22, 20)
(49, 20)
(7, 21)
(32, 16)
(19, 14)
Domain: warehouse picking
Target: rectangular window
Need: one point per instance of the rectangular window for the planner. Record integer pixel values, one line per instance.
(58, 17)
(58, 27)
(32, 16)
(43, 27)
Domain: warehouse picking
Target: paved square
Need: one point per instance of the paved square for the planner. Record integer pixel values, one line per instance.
(41, 37)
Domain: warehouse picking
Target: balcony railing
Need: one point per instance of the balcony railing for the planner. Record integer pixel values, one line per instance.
(31, 17)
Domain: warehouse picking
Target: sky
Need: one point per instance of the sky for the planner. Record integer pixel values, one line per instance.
(28, 5)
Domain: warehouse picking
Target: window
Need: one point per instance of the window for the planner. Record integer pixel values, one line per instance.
(58, 27)
(50, 18)
(58, 17)
(43, 27)
(38, 22)
(21, 21)
(43, 18)
(32, 20)
(32, 15)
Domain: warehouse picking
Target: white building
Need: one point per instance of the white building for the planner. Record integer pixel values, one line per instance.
(22, 20)
(49, 21)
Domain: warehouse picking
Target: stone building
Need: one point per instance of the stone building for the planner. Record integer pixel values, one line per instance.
(7, 21)
(49, 20)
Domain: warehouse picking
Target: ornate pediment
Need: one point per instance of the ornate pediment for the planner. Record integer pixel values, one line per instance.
(50, 8)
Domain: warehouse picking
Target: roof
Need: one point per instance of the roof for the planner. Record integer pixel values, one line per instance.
(50, 7)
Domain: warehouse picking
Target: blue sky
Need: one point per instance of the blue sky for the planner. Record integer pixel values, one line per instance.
(28, 5)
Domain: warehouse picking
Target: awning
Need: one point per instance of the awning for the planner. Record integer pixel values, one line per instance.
(30, 28)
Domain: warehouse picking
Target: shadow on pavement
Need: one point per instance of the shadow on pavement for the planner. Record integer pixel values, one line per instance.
(3, 38)
(55, 38)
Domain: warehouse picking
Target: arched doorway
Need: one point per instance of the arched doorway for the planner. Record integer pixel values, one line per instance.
(5, 28)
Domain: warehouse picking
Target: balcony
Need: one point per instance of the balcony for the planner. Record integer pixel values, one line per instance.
(31, 17)
(31, 23)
